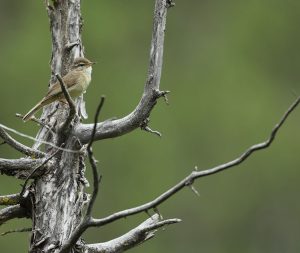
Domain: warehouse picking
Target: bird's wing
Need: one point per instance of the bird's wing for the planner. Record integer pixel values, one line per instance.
(69, 79)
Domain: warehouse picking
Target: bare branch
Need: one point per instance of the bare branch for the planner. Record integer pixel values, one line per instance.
(134, 237)
(19, 146)
(188, 181)
(37, 140)
(34, 119)
(69, 46)
(12, 212)
(18, 230)
(70, 102)
(93, 161)
(118, 127)
(19, 167)
(145, 127)
(85, 223)
(8, 200)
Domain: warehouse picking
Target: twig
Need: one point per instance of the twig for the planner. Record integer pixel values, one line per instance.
(66, 94)
(134, 237)
(34, 119)
(145, 127)
(18, 230)
(19, 146)
(70, 45)
(85, 223)
(93, 161)
(37, 140)
(197, 174)
(170, 3)
(155, 209)
(194, 190)
(49, 7)
(70, 102)
(8, 200)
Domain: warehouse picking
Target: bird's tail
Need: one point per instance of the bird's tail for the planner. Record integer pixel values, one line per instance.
(33, 111)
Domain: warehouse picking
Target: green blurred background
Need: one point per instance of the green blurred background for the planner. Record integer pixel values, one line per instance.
(232, 68)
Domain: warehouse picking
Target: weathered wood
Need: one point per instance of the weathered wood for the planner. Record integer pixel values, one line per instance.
(58, 196)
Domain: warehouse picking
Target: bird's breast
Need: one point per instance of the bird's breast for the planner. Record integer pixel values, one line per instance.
(87, 76)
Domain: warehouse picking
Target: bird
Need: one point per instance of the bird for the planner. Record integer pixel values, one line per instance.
(76, 81)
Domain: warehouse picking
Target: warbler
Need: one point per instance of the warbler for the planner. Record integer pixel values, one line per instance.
(76, 80)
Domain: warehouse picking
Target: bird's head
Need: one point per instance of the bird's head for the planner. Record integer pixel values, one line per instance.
(82, 63)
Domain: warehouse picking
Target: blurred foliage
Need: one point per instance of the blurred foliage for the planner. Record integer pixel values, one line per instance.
(233, 69)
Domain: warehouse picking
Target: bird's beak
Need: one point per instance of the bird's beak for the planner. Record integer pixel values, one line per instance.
(92, 63)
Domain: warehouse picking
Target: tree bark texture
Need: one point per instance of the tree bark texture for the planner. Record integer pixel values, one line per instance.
(56, 200)
(58, 196)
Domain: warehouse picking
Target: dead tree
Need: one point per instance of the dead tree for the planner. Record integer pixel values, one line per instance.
(55, 200)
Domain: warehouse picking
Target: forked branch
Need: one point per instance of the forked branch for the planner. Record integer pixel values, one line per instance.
(188, 181)
(134, 237)
(118, 127)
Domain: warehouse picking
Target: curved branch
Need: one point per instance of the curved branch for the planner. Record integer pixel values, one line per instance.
(19, 167)
(134, 237)
(118, 127)
(19, 146)
(188, 181)
(18, 230)
(12, 212)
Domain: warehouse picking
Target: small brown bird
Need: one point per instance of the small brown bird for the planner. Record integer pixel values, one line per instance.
(76, 81)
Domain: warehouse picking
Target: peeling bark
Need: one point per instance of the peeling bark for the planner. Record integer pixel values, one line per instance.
(58, 196)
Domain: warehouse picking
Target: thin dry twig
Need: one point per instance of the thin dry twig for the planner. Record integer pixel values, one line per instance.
(69, 100)
(188, 181)
(34, 119)
(145, 127)
(18, 230)
(96, 179)
(70, 45)
(19, 146)
(37, 140)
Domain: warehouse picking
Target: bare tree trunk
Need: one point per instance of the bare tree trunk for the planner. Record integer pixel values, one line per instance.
(56, 201)
(57, 196)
